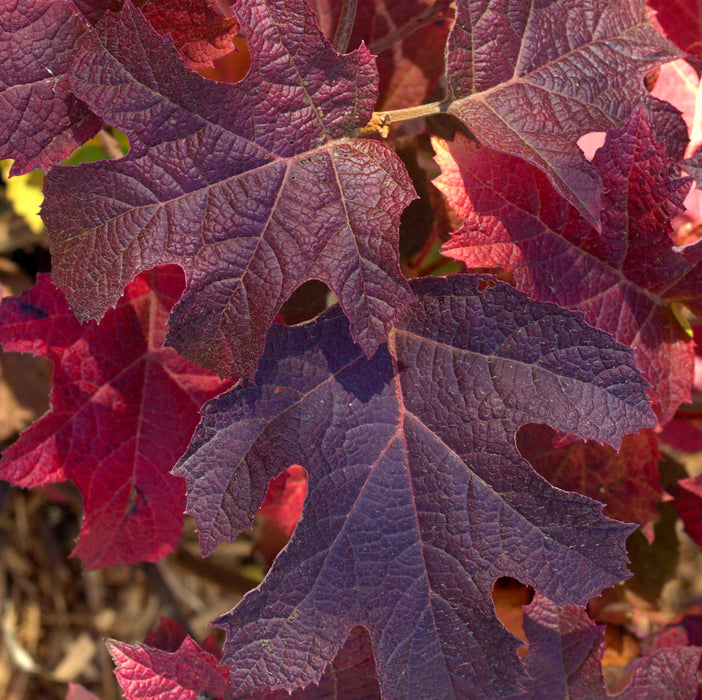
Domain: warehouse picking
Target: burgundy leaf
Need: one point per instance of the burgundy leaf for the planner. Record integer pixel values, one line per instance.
(199, 31)
(417, 497)
(626, 481)
(529, 79)
(123, 408)
(565, 659)
(625, 279)
(250, 201)
(42, 122)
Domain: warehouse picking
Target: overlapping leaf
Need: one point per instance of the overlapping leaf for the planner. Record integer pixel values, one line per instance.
(249, 199)
(530, 78)
(188, 672)
(417, 496)
(42, 121)
(200, 29)
(123, 409)
(625, 481)
(625, 279)
(565, 659)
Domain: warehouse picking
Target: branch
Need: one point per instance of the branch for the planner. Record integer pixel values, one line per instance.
(344, 28)
(380, 121)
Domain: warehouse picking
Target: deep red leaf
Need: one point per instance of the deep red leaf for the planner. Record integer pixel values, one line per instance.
(42, 122)
(626, 481)
(123, 408)
(625, 279)
(417, 497)
(186, 674)
(250, 201)
(530, 78)
(681, 20)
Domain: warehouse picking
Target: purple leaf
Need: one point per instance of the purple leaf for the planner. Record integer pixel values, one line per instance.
(418, 499)
(249, 200)
(42, 122)
(530, 79)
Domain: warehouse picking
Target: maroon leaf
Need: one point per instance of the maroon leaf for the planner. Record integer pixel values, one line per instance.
(199, 31)
(529, 79)
(417, 497)
(250, 201)
(565, 659)
(687, 498)
(123, 408)
(42, 122)
(626, 481)
(625, 279)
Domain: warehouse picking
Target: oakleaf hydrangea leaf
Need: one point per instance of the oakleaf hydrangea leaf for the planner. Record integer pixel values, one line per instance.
(624, 279)
(530, 78)
(251, 201)
(418, 499)
(42, 121)
(565, 659)
(123, 409)
(188, 673)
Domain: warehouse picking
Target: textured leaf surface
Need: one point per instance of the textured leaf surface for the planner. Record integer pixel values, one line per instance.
(250, 201)
(626, 481)
(188, 672)
(625, 279)
(565, 655)
(530, 78)
(42, 122)
(123, 409)
(417, 497)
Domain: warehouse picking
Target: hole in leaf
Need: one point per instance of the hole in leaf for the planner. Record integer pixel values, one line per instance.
(232, 67)
(509, 596)
(306, 302)
(108, 144)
